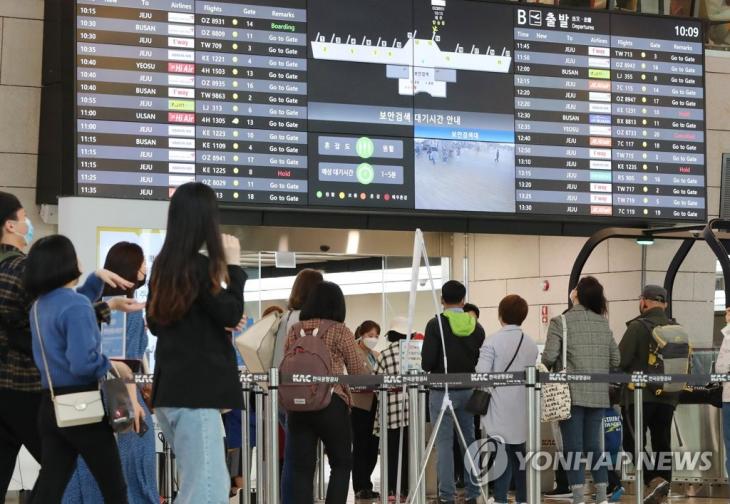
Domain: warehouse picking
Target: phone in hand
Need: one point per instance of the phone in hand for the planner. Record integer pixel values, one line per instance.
(143, 428)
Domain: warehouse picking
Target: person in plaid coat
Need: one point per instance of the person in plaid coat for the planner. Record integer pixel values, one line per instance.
(396, 409)
(20, 381)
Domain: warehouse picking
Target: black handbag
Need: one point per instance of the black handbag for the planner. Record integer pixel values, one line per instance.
(117, 404)
(708, 394)
(478, 403)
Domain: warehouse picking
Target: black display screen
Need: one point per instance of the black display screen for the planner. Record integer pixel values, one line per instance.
(406, 106)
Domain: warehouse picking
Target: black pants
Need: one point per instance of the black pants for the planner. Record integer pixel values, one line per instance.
(614, 480)
(393, 445)
(18, 427)
(61, 447)
(364, 448)
(332, 426)
(658, 419)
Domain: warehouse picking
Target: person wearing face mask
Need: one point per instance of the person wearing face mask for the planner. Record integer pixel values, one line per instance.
(20, 382)
(658, 408)
(136, 452)
(362, 417)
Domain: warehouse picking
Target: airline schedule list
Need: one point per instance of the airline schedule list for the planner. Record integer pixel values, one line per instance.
(175, 91)
(609, 115)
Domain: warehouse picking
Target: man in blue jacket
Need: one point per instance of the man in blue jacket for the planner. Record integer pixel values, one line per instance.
(458, 353)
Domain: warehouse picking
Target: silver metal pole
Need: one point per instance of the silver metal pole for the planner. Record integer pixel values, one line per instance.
(639, 441)
(321, 490)
(414, 439)
(533, 477)
(422, 439)
(272, 425)
(383, 428)
(246, 447)
(260, 469)
(538, 436)
(169, 472)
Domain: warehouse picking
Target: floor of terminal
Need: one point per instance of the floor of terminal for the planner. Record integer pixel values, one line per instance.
(12, 499)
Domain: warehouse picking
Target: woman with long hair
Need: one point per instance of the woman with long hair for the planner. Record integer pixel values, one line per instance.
(137, 453)
(304, 283)
(590, 349)
(194, 302)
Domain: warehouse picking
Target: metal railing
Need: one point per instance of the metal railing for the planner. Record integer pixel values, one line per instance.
(416, 385)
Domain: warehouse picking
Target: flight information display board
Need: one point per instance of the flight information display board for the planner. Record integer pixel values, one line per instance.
(409, 106)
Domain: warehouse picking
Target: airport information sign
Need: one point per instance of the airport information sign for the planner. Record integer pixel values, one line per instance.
(403, 106)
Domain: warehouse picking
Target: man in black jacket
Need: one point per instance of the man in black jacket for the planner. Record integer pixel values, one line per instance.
(658, 408)
(457, 353)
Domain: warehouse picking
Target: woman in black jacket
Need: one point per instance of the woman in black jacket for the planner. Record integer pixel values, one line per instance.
(193, 303)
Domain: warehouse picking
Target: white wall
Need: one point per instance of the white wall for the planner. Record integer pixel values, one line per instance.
(370, 307)
(79, 218)
(534, 260)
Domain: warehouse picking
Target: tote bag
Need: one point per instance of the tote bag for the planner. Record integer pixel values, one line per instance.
(556, 396)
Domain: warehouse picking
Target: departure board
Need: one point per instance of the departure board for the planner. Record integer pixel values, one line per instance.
(423, 107)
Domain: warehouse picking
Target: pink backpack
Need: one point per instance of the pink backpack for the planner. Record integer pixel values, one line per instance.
(308, 356)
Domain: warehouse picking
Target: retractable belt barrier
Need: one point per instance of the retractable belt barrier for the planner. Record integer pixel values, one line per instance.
(265, 388)
(470, 380)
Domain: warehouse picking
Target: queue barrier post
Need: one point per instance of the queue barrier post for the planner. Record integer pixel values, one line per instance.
(422, 395)
(537, 426)
(414, 438)
(383, 430)
(246, 446)
(321, 490)
(169, 471)
(260, 469)
(272, 434)
(533, 419)
(639, 441)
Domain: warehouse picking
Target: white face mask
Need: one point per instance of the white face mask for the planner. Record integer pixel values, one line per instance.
(370, 342)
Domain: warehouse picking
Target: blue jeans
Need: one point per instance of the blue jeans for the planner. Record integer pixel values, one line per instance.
(445, 442)
(196, 438)
(582, 434)
(726, 434)
(512, 471)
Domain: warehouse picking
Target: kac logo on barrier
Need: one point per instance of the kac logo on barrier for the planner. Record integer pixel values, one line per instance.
(301, 378)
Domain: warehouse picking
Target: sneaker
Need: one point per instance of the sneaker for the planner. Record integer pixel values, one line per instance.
(616, 495)
(367, 495)
(660, 492)
(559, 493)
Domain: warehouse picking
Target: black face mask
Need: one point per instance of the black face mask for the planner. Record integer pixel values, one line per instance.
(141, 283)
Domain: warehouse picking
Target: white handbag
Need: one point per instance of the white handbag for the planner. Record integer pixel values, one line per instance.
(556, 400)
(256, 345)
(80, 408)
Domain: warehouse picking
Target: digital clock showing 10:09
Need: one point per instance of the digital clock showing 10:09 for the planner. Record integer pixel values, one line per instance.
(687, 31)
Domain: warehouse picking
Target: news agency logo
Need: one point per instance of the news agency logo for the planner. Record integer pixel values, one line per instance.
(490, 460)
